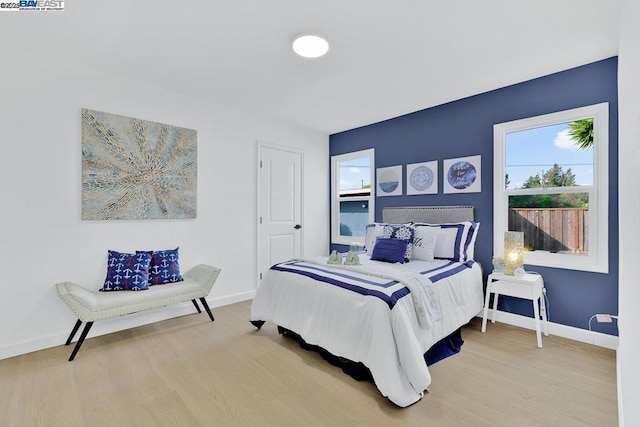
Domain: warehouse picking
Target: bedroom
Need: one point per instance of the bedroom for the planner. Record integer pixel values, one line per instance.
(46, 82)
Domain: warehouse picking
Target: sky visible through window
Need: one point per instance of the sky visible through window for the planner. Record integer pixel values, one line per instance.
(355, 174)
(534, 151)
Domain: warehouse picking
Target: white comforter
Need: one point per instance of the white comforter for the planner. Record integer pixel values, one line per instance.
(391, 342)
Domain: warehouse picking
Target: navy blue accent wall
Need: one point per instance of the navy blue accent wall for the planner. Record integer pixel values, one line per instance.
(465, 128)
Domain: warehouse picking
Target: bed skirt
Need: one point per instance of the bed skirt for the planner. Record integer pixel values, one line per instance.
(448, 346)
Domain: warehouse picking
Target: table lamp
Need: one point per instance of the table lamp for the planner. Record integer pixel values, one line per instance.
(513, 251)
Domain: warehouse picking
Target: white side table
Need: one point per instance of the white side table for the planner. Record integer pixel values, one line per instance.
(530, 286)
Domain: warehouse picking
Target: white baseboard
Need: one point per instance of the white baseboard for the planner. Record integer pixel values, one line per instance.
(557, 329)
(108, 326)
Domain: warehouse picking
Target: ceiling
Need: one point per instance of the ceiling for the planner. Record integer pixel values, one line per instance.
(387, 58)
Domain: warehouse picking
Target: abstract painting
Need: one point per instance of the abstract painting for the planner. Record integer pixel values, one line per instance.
(462, 175)
(422, 178)
(137, 169)
(389, 181)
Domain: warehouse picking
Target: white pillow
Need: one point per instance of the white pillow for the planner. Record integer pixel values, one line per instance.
(454, 240)
(373, 231)
(424, 243)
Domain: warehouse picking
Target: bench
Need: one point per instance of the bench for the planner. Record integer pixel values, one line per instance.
(89, 306)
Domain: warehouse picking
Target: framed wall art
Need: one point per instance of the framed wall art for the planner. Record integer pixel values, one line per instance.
(462, 175)
(136, 169)
(389, 181)
(422, 178)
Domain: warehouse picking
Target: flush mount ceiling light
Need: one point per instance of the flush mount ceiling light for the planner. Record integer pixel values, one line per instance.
(310, 46)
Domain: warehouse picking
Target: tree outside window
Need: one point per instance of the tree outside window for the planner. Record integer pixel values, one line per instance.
(551, 181)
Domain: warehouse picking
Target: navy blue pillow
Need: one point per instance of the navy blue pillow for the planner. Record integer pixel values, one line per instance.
(389, 250)
(164, 267)
(403, 232)
(127, 272)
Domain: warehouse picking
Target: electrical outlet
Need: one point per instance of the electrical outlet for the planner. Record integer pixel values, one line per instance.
(603, 318)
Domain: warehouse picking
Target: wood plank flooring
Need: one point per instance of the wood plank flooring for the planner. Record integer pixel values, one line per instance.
(189, 371)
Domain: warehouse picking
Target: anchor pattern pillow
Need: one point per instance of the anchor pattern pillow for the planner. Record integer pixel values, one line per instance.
(164, 267)
(127, 272)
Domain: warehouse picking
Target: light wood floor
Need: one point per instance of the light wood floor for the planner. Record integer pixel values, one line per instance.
(191, 372)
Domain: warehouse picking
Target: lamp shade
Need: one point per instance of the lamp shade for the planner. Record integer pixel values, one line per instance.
(513, 251)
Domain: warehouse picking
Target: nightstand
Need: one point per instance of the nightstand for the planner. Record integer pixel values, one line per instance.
(529, 286)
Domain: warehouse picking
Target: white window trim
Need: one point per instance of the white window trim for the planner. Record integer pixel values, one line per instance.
(598, 258)
(335, 195)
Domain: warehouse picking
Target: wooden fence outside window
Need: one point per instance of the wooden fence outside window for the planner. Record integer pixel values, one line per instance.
(564, 230)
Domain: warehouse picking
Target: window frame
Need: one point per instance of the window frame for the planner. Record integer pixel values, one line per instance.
(336, 238)
(597, 259)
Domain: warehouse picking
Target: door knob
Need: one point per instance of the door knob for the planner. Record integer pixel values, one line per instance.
(297, 226)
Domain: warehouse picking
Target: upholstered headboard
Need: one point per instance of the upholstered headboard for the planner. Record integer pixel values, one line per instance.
(428, 214)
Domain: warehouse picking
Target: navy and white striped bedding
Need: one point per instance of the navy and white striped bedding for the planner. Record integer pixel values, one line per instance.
(371, 314)
(352, 279)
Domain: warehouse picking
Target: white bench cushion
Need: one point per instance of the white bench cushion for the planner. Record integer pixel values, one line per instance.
(90, 306)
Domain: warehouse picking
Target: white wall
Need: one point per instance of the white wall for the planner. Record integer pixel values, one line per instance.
(629, 206)
(43, 240)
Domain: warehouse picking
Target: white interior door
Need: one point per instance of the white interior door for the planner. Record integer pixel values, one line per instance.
(280, 213)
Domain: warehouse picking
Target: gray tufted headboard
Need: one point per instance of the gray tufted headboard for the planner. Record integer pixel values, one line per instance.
(428, 214)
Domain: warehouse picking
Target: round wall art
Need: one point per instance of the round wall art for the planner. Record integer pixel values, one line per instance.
(389, 181)
(421, 178)
(462, 175)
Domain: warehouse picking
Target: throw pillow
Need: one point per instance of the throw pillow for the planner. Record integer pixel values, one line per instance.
(389, 250)
(373, 231)
(454, 240)
(165, 267)
(402, 232)
(127, 272)
(424, 243)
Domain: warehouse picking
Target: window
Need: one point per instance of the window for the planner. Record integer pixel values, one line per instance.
(352, 202)
(551, 182)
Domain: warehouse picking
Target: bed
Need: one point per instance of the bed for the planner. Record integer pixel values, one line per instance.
(382, 314)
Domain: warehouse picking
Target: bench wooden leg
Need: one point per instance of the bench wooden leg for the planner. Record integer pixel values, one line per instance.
(257, 323)
(206, 307)
(73, 332)
(195, 304)
(83, 335)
